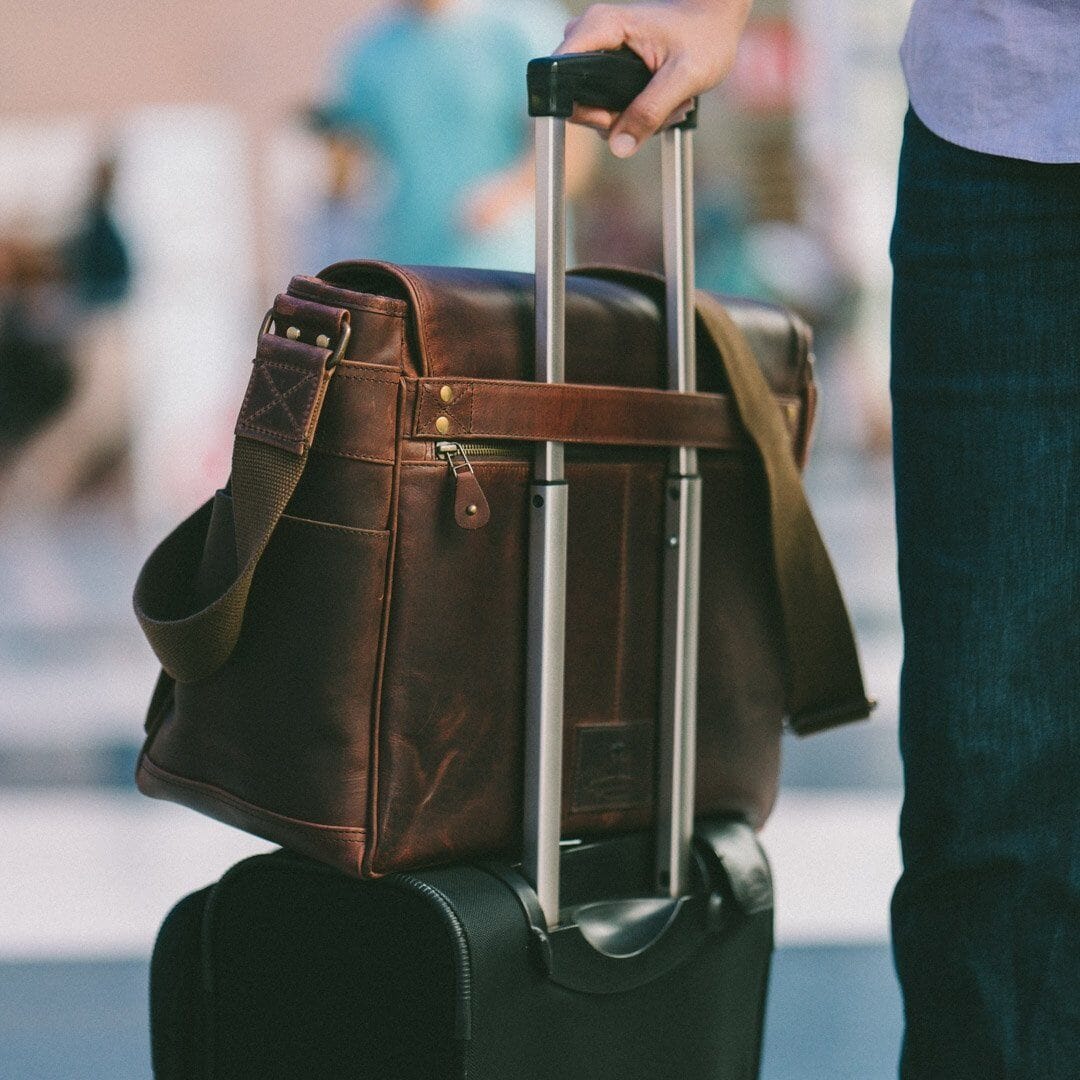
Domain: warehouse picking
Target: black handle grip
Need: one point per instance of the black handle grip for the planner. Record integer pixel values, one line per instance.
(606, 80)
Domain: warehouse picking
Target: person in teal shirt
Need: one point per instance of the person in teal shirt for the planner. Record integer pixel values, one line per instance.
(435, 91)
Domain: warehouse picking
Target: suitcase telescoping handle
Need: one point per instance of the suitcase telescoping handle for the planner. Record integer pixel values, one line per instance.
(555, 84)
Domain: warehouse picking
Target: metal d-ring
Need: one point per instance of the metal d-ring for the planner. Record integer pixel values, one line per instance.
(335, 356)
(339, 352)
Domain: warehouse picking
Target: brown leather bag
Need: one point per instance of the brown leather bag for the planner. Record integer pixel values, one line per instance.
(342, 629)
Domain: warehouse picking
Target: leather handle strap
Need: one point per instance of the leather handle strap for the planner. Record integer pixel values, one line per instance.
(505, 409)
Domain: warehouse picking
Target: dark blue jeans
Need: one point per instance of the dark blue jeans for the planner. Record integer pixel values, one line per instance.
(986, 396)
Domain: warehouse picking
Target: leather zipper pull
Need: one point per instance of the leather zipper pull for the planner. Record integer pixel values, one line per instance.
(471, 510)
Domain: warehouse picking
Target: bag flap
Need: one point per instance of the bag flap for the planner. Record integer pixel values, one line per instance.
(479, 324)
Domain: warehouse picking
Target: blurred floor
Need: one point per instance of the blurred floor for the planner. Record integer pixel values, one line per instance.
(89, 868)
(833, 1015)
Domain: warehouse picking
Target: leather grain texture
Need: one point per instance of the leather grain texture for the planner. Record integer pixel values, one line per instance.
(371, 711)
(573, 413)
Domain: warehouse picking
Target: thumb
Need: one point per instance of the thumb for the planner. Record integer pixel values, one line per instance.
(664, 97)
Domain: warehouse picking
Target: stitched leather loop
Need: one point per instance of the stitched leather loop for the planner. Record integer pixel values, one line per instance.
(575, 413)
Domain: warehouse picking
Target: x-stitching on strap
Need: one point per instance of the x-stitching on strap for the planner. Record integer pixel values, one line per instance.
(280, 395)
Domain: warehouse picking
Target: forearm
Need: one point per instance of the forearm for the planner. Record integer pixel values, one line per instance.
(580, 160)
(516, 184)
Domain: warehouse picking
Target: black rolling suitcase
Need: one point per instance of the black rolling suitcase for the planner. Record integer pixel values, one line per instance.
(648, 960)
(289, 969)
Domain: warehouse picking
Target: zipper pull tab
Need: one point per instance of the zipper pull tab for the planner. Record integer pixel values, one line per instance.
(471, 510)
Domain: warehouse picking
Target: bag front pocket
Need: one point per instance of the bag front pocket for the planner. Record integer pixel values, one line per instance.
(285, 723)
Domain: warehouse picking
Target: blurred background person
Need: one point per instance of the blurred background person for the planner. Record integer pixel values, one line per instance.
(86, 434)
(433, 89)
(344, 218)
(35, 368)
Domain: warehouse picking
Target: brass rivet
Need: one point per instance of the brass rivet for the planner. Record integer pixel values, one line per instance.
(442, 425)
(447, 394)
(471, 509)
(322, 341)
(293, 333)
(792, 411)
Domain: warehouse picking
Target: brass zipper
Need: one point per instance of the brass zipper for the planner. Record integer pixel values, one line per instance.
(448, 448)
(471, 510)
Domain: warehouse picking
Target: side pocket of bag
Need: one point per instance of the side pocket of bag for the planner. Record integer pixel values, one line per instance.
(284, 725)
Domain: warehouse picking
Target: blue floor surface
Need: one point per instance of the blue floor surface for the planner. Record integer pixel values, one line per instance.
(834, 1014)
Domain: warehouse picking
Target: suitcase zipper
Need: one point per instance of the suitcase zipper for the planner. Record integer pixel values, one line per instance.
(459, 943)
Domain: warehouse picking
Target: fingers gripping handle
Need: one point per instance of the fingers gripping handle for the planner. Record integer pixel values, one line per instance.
(605, 80)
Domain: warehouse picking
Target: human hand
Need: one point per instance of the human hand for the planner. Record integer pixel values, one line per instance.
(689, 45)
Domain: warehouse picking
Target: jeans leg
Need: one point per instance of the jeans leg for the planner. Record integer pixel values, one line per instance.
(986, 398)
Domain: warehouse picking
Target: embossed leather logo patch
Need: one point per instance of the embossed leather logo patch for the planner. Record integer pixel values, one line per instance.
(612, 765)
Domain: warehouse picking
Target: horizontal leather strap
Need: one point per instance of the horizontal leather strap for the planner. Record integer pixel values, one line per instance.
(576, 413)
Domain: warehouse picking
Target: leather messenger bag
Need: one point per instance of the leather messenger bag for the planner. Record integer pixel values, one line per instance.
(342, 629)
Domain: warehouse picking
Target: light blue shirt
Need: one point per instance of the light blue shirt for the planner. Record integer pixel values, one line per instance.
(441, 99)
(998, 76)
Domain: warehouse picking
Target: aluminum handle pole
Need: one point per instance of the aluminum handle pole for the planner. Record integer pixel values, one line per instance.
(550, 273)
(677, 164)
(682, 558)
(546, 643)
